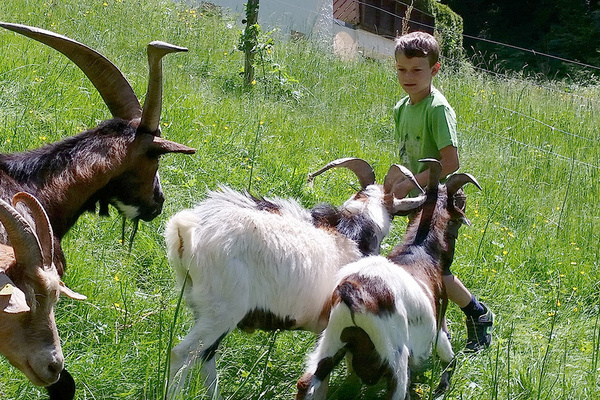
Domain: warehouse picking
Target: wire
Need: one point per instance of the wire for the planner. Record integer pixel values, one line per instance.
(530, 81)
(560, 156)
(534, 52)
(554, 129)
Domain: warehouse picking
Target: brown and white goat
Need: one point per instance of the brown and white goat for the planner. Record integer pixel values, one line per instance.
(115, 163)
(29, 289)
(268, 264)
(388, 313)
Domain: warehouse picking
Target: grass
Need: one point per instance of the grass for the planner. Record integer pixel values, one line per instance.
(531, 253)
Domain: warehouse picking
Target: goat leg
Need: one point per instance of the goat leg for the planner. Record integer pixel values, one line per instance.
(444, 384)
(314, 385)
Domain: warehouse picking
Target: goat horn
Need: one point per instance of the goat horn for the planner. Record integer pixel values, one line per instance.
(399, 172)
(435, 171)
(457, 181)
(153, 103)
(407, 205)
(20, 234)
(362, 169)
(104, 75)
(43, 228)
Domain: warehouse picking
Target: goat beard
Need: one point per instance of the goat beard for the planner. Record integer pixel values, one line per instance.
(104, 212)
(136, 223)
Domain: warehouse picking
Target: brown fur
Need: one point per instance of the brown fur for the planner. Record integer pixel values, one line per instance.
(424, 246)
(366, 362)
(70, 177)
(365, 294)
(265, 320)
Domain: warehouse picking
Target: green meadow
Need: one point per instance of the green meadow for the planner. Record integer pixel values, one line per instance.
(531, 254)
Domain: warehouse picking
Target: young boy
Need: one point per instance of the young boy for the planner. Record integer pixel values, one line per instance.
(426, 128)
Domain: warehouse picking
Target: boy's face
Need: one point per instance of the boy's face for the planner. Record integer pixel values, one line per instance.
(415, 76)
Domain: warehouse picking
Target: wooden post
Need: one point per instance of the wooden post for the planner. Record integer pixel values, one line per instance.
(251, 40)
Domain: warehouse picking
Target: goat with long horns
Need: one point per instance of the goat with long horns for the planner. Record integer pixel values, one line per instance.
(115, 163)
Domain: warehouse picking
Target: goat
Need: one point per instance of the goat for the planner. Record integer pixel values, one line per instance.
(268, 264)
(115, 163)
(29, 289)
(388, 313)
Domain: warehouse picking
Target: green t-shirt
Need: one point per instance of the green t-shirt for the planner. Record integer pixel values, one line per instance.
(423, 129)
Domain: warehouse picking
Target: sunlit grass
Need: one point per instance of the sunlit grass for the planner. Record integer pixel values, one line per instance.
(531, 253)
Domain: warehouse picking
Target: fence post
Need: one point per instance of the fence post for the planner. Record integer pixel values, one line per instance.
(250, 40)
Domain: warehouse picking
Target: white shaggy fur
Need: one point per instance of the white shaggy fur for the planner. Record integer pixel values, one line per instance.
(239, 258)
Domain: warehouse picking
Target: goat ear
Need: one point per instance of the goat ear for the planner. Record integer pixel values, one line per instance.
(12, 299)
(162, 146)
(407, 205)
(65, 291)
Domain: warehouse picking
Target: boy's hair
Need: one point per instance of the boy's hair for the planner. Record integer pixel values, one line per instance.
(418, 44)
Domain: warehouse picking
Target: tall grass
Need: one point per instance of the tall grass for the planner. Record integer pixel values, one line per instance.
(531, 253)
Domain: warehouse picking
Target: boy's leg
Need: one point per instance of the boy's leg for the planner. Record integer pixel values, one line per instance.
(479, 319)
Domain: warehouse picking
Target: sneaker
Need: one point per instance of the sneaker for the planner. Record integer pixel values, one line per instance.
(479, 331)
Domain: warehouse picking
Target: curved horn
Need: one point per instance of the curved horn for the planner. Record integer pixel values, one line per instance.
(22, 239)
(362, 169)
(43, 228)
(104, 75)
(407, 205)
(397, 173)
(153, 103)
(457, 181)
(435, 171)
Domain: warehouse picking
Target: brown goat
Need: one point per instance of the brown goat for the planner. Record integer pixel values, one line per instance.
(388, 313)
(115, 163)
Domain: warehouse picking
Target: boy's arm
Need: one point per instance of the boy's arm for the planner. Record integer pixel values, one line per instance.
(449, 161)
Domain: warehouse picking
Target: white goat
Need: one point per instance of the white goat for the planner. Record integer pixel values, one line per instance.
(388, 313)
(268, 264)
(29, 289)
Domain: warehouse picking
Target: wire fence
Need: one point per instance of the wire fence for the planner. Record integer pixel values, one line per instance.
(504, 76)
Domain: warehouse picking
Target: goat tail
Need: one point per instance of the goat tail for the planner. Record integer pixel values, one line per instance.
(365, 294)
(178, 236)
(349, 293)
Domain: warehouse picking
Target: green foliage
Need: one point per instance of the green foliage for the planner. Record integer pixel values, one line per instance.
(449, 31)
(532, 252)
(259, 48)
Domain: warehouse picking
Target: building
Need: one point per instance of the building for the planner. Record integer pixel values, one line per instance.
(350, 27)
